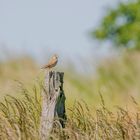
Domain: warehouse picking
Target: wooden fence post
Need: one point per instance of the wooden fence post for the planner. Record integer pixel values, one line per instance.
(53, 103)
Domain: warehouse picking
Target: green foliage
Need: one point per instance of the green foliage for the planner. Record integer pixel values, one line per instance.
(121, 25)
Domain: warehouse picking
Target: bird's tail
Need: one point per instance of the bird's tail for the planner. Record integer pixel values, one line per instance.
(45, 67)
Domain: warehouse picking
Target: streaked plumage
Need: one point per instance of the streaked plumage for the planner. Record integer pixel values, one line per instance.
(52, 62)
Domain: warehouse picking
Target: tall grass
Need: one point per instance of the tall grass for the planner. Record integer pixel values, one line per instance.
(105, 107)
(19, 119)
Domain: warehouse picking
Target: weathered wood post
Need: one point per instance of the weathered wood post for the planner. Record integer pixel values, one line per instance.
(53, 103)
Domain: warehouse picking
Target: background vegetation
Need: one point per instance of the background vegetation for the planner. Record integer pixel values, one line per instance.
(121, 25)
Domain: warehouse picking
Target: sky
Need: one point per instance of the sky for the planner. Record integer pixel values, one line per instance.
(61, 26)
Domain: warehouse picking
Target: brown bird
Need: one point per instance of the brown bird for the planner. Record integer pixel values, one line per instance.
(52, 62)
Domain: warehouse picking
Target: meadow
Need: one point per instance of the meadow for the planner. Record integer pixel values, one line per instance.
(105, 106)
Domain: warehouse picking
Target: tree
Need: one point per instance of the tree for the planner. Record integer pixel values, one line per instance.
(121, 25)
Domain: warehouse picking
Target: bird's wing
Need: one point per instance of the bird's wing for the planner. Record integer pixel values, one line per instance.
(50, 63)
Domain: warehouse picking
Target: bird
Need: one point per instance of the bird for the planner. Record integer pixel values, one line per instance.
(52, 62)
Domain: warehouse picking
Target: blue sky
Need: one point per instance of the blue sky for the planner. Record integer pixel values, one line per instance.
(54, 25)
